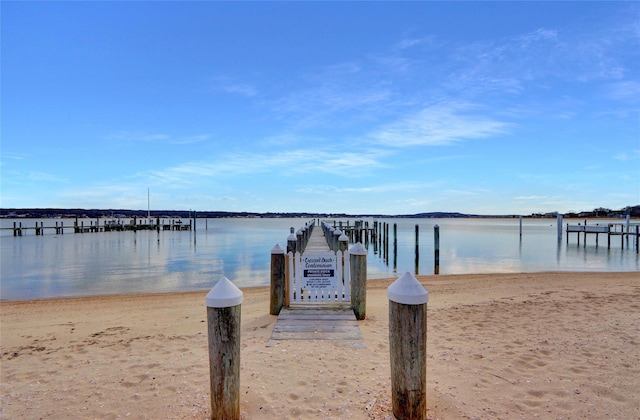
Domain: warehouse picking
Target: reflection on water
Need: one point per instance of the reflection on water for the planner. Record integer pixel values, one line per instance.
(150, 262)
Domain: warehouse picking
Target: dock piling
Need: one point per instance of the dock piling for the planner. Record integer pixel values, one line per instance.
(223, 329)
(408, 347)
(277, 279)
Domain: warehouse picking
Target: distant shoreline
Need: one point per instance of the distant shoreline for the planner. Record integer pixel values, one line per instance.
(49, 213)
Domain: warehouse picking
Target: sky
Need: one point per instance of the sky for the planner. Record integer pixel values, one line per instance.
(328, 107)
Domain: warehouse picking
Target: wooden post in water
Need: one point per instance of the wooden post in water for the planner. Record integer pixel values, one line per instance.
(521, 227)
(358, 267)
(560, 229)
(386, 243)
(223, 324)
(277, 279)
(395, 246)
(628, 228)
(436, 249)
(417, 249)
(408, 347)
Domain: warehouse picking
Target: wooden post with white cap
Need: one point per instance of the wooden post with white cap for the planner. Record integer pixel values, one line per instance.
(408, 347)
(277, 279)
(358, 269)
(223, 322)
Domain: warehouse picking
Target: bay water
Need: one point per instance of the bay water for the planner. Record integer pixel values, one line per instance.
(146, 261)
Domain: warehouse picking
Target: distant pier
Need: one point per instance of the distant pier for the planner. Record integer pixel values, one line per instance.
(623, 230)
(102, 225)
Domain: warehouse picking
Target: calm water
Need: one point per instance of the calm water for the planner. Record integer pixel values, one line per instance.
(52, 265)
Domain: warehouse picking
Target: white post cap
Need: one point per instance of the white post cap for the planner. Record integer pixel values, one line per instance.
(277, 249)
(224, 295)
(343, 238)
(358, 249)
(408, 291)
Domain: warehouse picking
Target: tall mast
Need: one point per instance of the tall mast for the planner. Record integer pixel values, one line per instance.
(148, 205)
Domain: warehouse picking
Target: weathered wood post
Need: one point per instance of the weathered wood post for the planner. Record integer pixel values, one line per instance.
(344, 242)
(560, 229)
(291, 241)
(417, 249)
(223, 322)
(395, 246)
(344, 247)
(628, 228)
(408, 347)
(299, 246)
(336, 240)
(303, 232)
(520, 227)
(436, 249)
(358, 269)
(277, 279)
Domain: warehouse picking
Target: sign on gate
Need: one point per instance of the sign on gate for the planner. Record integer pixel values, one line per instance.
(319, 271)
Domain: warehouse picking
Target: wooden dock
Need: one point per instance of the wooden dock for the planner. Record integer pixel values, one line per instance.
(611, 229)
(101, 225)
(336, 322)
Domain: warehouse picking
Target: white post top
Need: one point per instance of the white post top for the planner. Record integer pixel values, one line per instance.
(337, 232)
(358, 249)
(343, 238)
(224, 295)
(408, 291)
(277, 249)
(292, 237)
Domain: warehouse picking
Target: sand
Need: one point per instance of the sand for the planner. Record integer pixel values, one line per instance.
(547, 345)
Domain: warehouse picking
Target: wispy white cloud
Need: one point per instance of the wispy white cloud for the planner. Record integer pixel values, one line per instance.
(437, 125)
(403, 187)
(327, 103)
(31, 177)
(627, 90)
(233, 86)
(13, 155)
(138, 136)
(627, 155)
(285, 163)
(531, 197)
(144, 137)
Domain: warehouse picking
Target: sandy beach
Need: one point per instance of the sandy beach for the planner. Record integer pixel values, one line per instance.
(546, 345)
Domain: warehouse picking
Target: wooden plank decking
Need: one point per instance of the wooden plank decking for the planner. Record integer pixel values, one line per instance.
(336, 323)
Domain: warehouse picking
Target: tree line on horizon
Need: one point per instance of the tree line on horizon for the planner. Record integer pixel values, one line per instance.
(633, 211)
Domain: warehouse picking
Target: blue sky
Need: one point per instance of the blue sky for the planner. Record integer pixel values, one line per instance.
(356, 107)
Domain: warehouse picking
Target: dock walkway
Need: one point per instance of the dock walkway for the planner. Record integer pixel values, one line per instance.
(330, 322)
(336, 322)
(317, 242)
